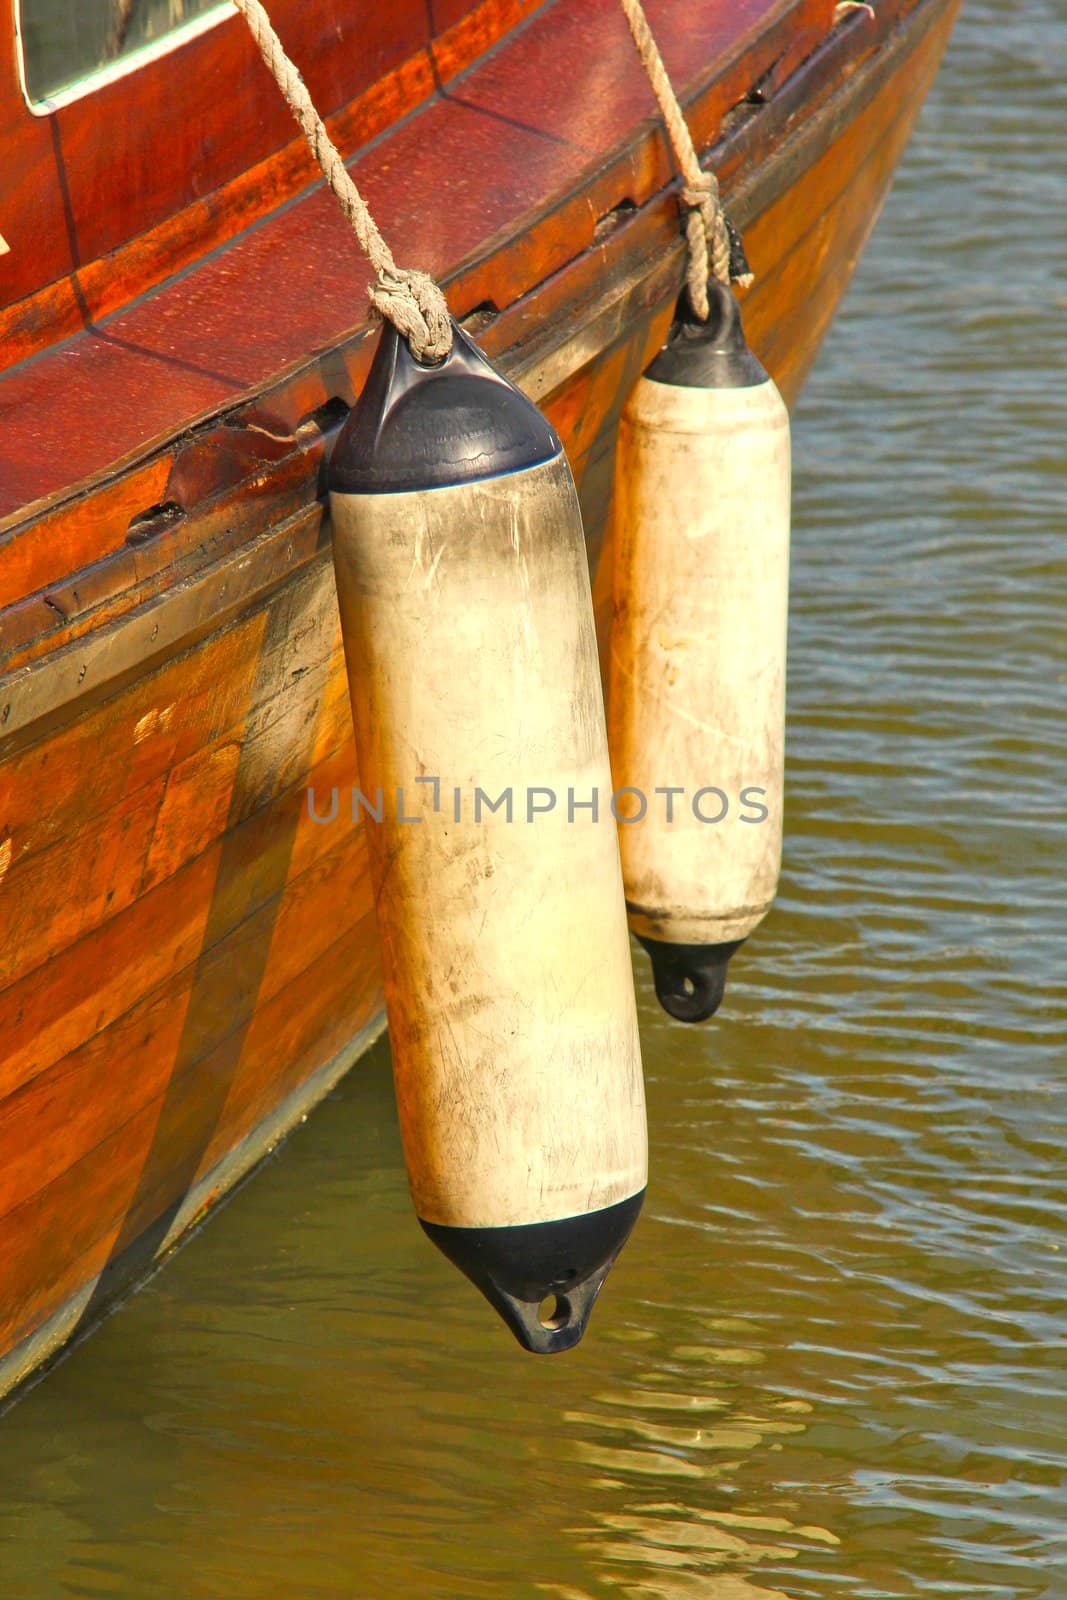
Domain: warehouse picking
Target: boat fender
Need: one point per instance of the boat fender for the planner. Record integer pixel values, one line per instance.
(698, 639)
(467, 621)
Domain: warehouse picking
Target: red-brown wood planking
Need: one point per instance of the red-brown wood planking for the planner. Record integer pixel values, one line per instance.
(463, 180)
(181, 172)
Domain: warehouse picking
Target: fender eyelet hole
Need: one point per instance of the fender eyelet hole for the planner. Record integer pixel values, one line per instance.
(554, 1311)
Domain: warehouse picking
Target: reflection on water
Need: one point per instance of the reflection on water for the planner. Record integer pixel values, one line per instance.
(831, 1362)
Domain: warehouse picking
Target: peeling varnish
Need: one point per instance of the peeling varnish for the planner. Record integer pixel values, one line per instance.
(154, 721)
(5, 857)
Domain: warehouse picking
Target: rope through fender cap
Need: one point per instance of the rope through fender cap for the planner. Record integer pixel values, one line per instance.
(410, 300)
(707, 231)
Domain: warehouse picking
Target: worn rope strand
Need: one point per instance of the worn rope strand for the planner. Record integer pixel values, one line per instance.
(410, 300)
(705, 225)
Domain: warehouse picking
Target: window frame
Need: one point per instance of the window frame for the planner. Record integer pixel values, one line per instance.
(112, 71)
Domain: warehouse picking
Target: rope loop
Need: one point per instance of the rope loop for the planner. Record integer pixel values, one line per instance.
(706, 230)
(708, 240)
(414, 304)
(411, 301)
(701, 194)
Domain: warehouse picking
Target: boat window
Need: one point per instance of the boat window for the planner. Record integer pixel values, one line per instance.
(67, 45)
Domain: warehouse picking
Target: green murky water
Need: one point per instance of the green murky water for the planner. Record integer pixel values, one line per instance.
(833, 1360)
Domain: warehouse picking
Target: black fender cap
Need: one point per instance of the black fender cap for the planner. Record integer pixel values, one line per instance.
(690, 979)
(519, 1267)
(707, 355)
(417, 426)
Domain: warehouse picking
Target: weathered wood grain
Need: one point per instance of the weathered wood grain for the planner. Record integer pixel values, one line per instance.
(81, 990)
(120, 189)
(499, 182)
(134, 1179)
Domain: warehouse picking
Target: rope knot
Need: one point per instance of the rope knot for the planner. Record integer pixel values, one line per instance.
(699, 194)
(415, 306)
(707, 238)
(705, 225)
(411, 301)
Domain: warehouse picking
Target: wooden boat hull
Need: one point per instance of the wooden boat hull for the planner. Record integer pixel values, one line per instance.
(188, 957)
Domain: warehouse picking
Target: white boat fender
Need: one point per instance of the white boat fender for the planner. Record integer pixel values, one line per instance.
(698, 648)
(467, 618)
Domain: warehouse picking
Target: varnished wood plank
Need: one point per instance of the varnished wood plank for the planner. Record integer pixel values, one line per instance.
(294, 704)
(56, 546)
(186, 704)
(115, 192)
(78, 1312)
(66, 1233)
(269, 485)
(81, 990)
(71, 1107)
(521, 203)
